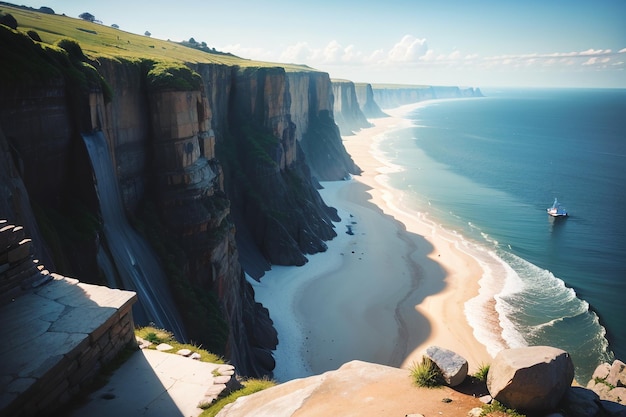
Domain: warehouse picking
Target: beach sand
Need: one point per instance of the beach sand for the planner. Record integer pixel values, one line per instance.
(382, 293)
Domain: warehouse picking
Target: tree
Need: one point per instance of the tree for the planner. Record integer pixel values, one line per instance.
(87, 16)
(115, 26)
(8, 20)
(147, 33)
(46, 10)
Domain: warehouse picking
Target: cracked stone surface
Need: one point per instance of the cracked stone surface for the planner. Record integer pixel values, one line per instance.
(42, 326)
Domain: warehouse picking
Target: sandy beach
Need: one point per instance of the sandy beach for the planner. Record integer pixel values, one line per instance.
(389, 286)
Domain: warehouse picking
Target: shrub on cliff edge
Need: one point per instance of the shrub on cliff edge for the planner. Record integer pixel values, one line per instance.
(173, 76)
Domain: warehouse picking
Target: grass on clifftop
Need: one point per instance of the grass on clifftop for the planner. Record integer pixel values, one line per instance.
(158, 336)
(98, 40)
(250, 386)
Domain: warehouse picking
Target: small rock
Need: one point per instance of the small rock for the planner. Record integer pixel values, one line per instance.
(184, 352)
(453, 366)
(414, 415)
(446, 400)
(163, 347)
(485, 399)
(475, 412)
(142, 343)
(195, 356)
(221, 379)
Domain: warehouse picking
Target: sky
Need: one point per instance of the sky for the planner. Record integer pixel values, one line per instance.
(474, 43)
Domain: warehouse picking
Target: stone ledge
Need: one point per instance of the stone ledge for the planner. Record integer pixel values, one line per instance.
(47, 330)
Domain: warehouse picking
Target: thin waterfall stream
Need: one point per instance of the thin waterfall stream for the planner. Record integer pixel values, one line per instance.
(136, 264)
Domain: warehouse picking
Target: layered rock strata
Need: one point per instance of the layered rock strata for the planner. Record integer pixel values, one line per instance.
(230, 151)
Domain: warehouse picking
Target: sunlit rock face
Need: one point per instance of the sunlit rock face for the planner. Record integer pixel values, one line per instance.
(220, 178)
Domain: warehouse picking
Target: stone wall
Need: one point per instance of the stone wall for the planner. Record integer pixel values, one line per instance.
(58, 332)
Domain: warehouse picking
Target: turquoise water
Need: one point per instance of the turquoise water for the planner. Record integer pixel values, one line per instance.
(488, 168)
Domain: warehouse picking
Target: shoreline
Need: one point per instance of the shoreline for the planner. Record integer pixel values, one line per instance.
(383, 293)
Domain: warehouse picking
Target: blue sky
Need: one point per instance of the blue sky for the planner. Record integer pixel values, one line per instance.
(481, 43)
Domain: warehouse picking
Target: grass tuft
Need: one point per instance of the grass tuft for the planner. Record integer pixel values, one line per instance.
(498, 409)
(481, 373)
(250, 386)
(426, 374)
(157, 336)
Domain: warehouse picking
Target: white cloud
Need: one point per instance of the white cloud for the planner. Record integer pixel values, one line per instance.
(297, 53)
(411, 54)
(409, 49)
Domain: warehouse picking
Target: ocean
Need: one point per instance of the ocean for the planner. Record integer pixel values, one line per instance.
(486, 169)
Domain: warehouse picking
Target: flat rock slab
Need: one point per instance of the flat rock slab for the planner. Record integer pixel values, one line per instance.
(42, 327)
(155, 384)
(355, 389)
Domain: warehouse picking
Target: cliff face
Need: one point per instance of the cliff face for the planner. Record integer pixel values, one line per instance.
(348, 114)
(280, 215)
(226, 149)
(312, 110)
(365, 97)
(394, 96)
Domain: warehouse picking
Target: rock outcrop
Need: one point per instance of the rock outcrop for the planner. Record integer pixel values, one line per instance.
(348, 114)
(227, 148)
(530, 379)
(365, 97)
(355, 389)
(609, 381)
(312, 110)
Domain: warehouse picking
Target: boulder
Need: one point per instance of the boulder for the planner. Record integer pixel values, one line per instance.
(453, 366)
(530, 379)
(609, 382)
(617, 374)
(581, 402)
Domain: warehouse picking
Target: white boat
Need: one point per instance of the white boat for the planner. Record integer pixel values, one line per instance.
(556, 210)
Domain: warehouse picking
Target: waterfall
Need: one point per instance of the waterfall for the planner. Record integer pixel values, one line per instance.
(136, 264)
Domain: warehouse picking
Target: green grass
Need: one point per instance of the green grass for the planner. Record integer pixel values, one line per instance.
(499, 409)
(98, 40)
(481, 373)
(426, 374)
(157, 336)
(250, 386)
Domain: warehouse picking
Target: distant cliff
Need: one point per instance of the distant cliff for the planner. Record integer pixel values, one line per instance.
(391, 95)
(367, 103)
(199, 151)
(348, 114)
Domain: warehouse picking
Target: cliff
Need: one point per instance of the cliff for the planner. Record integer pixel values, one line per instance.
(216, 165)
(312, 110)
(393, 95)
(365, 97)
(348, 114)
